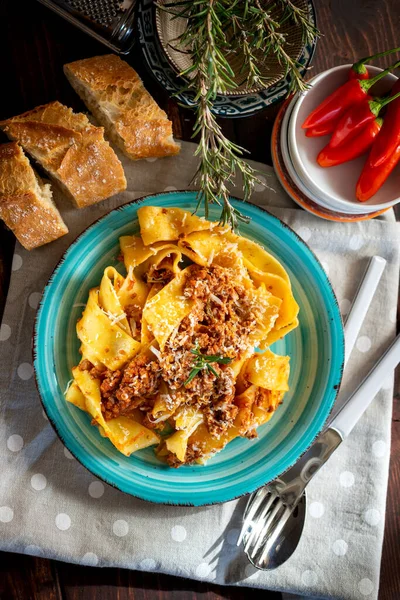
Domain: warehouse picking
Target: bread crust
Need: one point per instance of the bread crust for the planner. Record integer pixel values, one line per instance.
(115, 94)
(71, 149)
(25, 202)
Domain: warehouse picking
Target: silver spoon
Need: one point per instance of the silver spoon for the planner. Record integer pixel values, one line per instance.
(274, 515)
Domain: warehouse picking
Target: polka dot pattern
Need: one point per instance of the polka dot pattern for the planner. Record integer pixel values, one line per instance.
(6, 514)
(68, 454)
(305, 233)
(355, 242)
(316, 510)
(96, 489)
(379, 448)
(372, 516)
(25, 371)
(120, 528)
(260, 187)
(339, 547)
(63, 521)
(309, 578)
(5, 332)
(203, 570)
(90, 559)
(363, 343)
(16, 262)
(33, 550)
(325, 266)
(148, 564)
(15, 443)
(38, 482)
(34, 299)
(346, 479)
(366, 587)
(178, 533)
(345, 306)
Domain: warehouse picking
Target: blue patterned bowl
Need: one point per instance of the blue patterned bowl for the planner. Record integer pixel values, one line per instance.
(224, 105)
(316, 349)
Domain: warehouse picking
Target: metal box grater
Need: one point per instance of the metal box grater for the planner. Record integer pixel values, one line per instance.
(108, 21)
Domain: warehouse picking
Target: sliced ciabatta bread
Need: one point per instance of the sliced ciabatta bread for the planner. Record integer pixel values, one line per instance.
(26, 204)
(116, 96)
(71, 150)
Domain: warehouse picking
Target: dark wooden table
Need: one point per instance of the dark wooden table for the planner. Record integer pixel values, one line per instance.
(35, 44)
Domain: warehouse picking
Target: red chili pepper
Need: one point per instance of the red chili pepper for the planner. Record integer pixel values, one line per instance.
(324, 129)
(361, 74)
(330, 157)
(340, 100)
(372, 178)
(389, 138)
(357, 117)
(359, 70)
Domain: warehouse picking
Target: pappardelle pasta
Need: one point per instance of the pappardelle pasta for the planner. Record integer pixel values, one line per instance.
(176, 353)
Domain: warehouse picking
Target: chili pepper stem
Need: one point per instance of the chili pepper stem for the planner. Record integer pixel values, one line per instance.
(387, 100)
(377, 104)
(359, 66)
(366, 84)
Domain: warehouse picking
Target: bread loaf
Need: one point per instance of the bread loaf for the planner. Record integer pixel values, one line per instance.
(26, 204)
(116, 96)
(71, 150)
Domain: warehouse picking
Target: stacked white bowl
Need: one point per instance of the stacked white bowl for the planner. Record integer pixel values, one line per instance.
(333, 188)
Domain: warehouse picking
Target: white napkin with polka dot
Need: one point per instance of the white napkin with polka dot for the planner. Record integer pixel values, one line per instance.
(51, 506)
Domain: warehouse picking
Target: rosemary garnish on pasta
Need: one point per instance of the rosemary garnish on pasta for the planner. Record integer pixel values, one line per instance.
(203, 361)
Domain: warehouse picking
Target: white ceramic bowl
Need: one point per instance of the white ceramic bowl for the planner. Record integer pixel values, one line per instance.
(317, 198)
(335, 185)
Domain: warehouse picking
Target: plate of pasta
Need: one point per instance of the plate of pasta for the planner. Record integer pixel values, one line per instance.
(184, 363)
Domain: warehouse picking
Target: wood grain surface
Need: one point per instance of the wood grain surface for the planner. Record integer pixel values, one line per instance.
(34, 44)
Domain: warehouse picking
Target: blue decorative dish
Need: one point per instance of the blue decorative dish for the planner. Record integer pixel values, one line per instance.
(316, 349)
(224, 106)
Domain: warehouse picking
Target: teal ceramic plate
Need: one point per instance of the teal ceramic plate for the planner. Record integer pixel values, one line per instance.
(316, 349)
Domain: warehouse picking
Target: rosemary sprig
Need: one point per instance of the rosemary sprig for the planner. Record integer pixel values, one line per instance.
(203, 361)
(300, 17)
(216, 29)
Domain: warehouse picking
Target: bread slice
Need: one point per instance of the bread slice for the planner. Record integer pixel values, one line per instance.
(71, 150)
(26, 204)
(116, 96)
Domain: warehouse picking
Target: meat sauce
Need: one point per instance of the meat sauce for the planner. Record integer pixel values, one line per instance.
(223, 317)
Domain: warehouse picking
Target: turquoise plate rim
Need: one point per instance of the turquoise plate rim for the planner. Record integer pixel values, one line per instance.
(335, 375)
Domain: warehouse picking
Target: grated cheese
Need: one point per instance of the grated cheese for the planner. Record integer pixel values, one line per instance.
(156, 352)
(114, 318)
(215, 299)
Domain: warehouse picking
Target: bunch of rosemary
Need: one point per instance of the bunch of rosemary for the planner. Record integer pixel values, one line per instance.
(215, 29)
